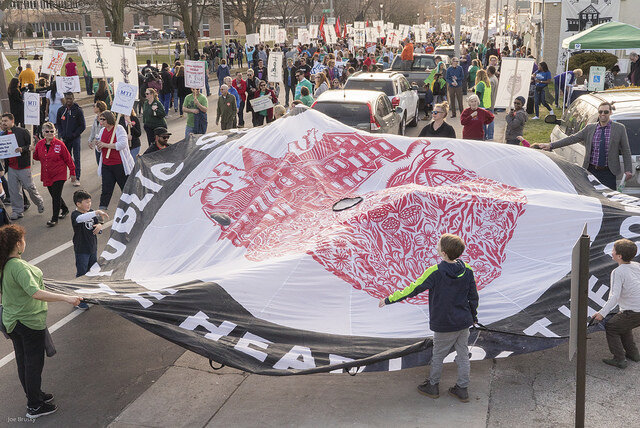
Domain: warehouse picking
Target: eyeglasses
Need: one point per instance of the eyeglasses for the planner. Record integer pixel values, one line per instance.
(49, 132)
(436, 112)
(101, 118)
(603, 112)
(148, 93)
(164, 137)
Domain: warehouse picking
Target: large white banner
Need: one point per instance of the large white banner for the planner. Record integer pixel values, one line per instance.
(52, 61)
(303, 36)
(580, 15)
(100, 56)
(31, 108)
(393, 39)
(515, 75)
(274, 66)
(359, 37)
(281, 35)
(127, 59)
(313, 32)
(330, 34)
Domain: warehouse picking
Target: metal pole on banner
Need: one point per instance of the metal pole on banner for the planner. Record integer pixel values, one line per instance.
(457, 31)
(513, 87)
(4, 95)
(566, 72)
(224, 48)
(578, 322)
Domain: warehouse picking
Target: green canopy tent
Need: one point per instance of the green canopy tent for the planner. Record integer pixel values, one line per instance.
(610, 35)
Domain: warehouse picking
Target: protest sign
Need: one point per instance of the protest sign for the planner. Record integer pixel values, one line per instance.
(359, 37)
(359, 25)
(318, 67)
(52, 61)
(194, 74)
(393, 39)
(261, 103)
(68, 84)
(369, 35)
(124, 98)
(264, 32)
(274, 67)
(273, 32)
(515, 74)
(404, 31)
(127, 61)
(330, 34)
(303, 36)
(8, 146)
(103, 61)
(281, 35)
(7, 64)
(313, 32)
(253, 39)
(36, 64)
(477, 35)
(31, 108)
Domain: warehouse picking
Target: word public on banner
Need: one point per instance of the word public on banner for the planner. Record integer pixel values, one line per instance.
(261, 103)
(31, 108)
(68, 84)
(52, 61)
(8, 146)
(124, 98)
(194, 74)
(274, 67)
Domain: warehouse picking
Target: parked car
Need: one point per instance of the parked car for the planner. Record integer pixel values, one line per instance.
(66, 44)
(139, 34)
(584, 110)
(174, 33)
(367, 110)
(421, 67)
(449, 51)
(395, 86)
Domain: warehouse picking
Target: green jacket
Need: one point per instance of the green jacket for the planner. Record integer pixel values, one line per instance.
(152, 120)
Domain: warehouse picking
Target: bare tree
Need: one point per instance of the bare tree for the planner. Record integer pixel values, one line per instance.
(190, 12)
(248, 12)
(111, 10)
(285, 9)
(308, 8)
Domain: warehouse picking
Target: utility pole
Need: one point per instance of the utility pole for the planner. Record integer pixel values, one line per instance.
(456, 48)
(224, 45)
(487, 11)
(4, 96)
(331, 8)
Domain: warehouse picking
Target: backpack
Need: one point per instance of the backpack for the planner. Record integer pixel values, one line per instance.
(155, 84)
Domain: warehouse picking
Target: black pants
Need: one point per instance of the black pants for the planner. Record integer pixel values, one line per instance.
(55, 190)
(151, 138)
(28, 345)
(111, 174)
(605, 176)
(619, 331)
(258, 119)
(241, 114)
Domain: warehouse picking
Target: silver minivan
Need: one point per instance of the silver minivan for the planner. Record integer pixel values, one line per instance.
(584, 110)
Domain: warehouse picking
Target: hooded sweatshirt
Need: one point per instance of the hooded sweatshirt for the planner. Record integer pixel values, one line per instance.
(453, 298)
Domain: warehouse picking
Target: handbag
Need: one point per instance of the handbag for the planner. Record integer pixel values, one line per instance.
(3, 329)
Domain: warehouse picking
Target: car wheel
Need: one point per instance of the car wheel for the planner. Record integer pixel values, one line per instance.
(403, 125)
(414, 122)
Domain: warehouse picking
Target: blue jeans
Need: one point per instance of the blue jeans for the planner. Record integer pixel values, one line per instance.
(206, 85)
(539, 98)
(84, 263)
(134, 152)
(176, 100)
(74, 148)
(488, 129)
(188, 130)
(165, 99)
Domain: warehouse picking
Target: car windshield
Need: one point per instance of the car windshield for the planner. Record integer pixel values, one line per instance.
(385, 86)
(348, 113)
(633, 132)
(420, 63)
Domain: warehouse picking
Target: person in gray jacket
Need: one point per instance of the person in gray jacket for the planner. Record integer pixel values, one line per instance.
(516, 119)
(604, 142)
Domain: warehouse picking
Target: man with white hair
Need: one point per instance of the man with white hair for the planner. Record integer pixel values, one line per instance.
(634, 71)
(227, 109)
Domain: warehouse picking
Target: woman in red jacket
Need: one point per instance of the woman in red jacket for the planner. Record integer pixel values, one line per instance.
(55, 159)
(473, 118)
(268, 114)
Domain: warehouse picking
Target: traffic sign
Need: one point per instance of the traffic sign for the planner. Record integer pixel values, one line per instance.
(327, 10)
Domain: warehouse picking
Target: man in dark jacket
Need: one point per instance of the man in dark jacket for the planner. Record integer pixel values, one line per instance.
(290, 80)
(453, 306)
(261, 71)
(70, 124)
(167, 87)
(19, 173)
(161, 140)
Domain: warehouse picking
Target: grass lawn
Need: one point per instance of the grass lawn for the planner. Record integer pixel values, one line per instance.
(536, 131)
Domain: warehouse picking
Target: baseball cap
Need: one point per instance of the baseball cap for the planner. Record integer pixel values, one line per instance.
(161, 131)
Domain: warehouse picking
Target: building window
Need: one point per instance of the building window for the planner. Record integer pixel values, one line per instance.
(87, 23)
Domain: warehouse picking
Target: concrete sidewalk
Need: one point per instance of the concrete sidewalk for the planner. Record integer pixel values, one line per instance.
(532, 390)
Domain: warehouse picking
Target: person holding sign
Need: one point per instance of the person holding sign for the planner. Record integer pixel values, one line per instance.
(153, 114)
(227, 109)
(70, 123)
(116, 162)
(195, 105)
(19, 171)
(261, 115)
(55, 159)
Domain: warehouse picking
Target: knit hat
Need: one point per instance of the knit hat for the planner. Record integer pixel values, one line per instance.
(521, 99)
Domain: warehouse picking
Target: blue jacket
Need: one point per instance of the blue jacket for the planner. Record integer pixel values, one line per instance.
(457, 72)
(233, 91)
(70, 122)
(453, 297)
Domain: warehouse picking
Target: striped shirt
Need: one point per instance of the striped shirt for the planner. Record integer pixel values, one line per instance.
(595, 144)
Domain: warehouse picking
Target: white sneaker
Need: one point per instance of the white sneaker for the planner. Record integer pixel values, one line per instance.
(535, 118)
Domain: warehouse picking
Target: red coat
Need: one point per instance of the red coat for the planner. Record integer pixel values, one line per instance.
(472, 126)
(55, 161)
(274, 99)
(241, 88)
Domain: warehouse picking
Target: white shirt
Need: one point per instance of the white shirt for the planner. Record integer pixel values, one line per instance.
(122, 146)
(625, 289)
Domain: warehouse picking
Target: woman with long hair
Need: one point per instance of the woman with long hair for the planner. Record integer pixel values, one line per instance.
(55, 160)
(483, 91)
(131, 124)
(439, 126)
(181, 90)
(24, 315)
(103, 94)
(116, 162)
(542, 78)
(153, 114)
(98, 107)
(54, 102)
(322, 84)
(16, 104)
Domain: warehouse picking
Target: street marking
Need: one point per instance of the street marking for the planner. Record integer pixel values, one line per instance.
(9, 357)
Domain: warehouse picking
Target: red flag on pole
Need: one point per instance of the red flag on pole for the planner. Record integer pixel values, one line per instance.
(321, 29)
(338, 27)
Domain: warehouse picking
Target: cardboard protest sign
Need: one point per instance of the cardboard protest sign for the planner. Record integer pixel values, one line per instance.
(31, 108)
(393, 38)
(261, 103)
(303, 36)
(124, 98)
(52, 61)
(68, 84)
(359, 37)
(274, 67)
(127, 61)
(7, 64)
(8, 146)
(102, 59)
(281, 35)
(515, 74)
(194, 74)
(253, 39)
(36, 64)
(313, 31)
(330, 34)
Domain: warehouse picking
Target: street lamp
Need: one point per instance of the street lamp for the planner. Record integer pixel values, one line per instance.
(381, 7)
